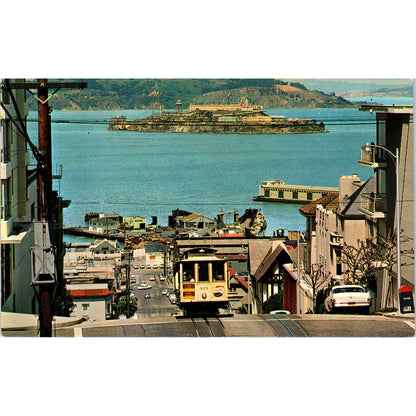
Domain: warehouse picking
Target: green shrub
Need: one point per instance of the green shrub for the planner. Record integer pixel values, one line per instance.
(122, 305)
(275, 302)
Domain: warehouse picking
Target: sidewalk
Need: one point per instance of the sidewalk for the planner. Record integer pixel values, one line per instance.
(26, 322)
(409, 316)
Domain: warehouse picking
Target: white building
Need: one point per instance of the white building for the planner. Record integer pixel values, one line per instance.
(395, 130)
(103, 224)
(18, 205)
(93, 301)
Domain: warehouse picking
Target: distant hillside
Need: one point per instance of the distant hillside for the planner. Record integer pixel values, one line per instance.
(357, 85)
(109, 94)
(382, 92)
(277, 96)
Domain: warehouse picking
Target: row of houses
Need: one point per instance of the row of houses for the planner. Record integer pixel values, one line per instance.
(95, 278)
(361, 215)
(365, 212)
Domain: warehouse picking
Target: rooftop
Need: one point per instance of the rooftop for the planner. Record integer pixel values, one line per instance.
(328, 201)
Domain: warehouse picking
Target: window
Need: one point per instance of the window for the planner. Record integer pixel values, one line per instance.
(5, 152)
(267, 193)
(281, 194)
(203, 272)
(188, 272)
(218, 271)
(309, 196)
(295, 194)
(348, 290)
(6, 276)
(32, 212)
(6, 197)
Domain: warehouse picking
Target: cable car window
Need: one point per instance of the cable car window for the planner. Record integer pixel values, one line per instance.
(188, 272)
(218, 271)
(203, 273)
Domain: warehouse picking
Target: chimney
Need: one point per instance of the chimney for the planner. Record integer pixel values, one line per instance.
(348, 185)
(235, 217)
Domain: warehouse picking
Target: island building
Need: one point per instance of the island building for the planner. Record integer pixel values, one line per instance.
(225, 107)
(278, 191)
(219, 119)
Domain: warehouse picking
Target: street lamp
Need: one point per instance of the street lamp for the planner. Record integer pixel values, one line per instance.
(298, 306)
(395, 157)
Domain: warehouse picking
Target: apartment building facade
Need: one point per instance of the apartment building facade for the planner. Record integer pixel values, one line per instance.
(18, 204)
(395, 132)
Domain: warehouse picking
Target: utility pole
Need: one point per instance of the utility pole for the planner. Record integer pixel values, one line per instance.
(45, 201)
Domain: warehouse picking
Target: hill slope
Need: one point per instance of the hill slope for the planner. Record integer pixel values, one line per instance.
(108, 94)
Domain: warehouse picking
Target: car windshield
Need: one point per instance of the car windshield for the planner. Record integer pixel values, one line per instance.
(347, 289)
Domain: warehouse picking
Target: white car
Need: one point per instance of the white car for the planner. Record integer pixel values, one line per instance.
(164, 292)
(352, 297)
(143, 286)
(280, 312)
(152, 278)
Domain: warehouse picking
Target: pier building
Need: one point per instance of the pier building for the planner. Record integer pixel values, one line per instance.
(278, 191)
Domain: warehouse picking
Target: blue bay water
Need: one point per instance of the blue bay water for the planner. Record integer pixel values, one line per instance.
(151, 174)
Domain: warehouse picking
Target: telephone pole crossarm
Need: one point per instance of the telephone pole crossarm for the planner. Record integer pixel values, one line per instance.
(49, 85)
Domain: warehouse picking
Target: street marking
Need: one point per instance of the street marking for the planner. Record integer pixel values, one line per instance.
(411, 324)
(78, 332)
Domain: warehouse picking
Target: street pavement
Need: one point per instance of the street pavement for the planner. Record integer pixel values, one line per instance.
(155, 318)
(238, 326)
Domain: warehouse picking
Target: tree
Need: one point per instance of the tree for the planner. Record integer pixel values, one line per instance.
(361, 262)
(122, 305)
(64, 305)
(275, 302)
(317, 280)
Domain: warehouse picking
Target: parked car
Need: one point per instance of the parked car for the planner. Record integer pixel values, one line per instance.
(147, 296)
(279, 312)
(162, 278)
(152, 278)
(133, 278)
(352, 297)
(172, 297)
(142, 266)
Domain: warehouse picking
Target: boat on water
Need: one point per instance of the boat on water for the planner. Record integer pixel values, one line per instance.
(278, 191)
(220, 119)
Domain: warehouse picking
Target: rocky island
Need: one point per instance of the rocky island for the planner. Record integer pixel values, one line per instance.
(222, 119)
